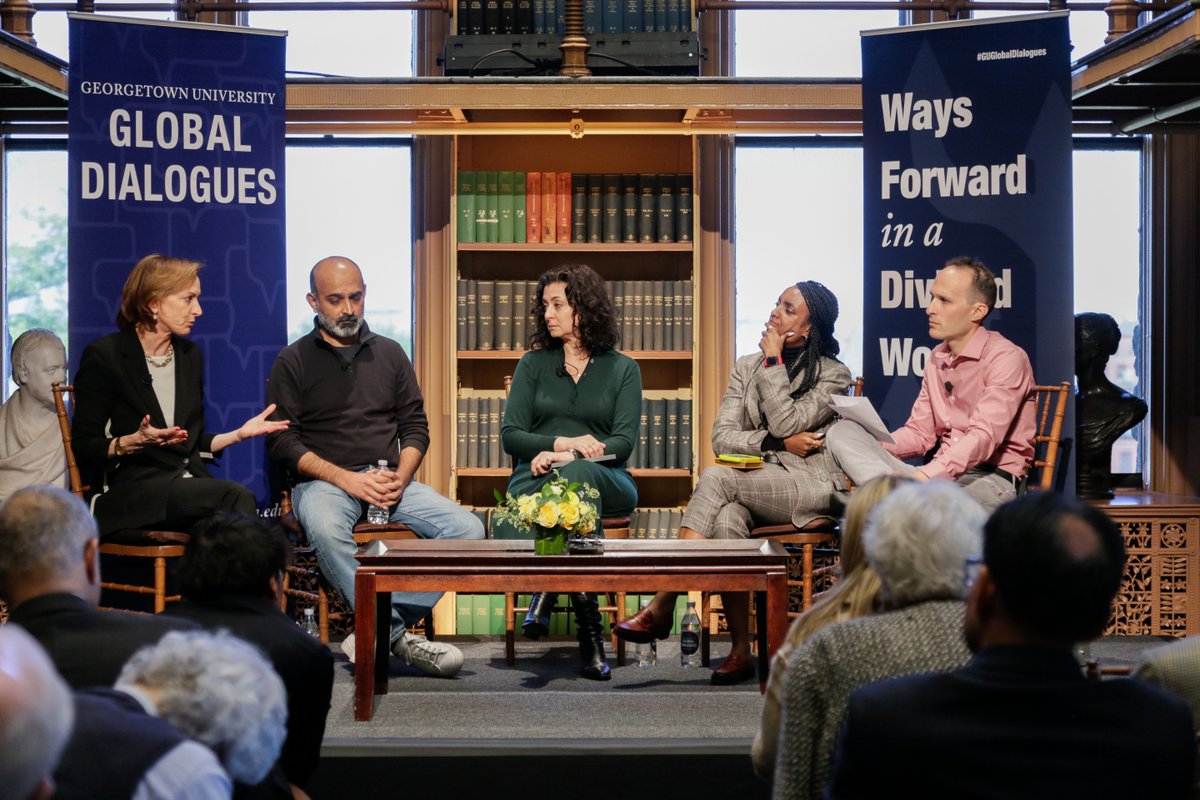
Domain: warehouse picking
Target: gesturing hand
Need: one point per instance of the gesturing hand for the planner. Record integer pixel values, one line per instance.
(159, 437)
(260, 425)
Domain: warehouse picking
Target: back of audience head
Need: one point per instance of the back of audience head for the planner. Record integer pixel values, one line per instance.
(918, 540)
(232, 554)
(219, 691)
(1052, 566)
(47, 543)
(36, 716)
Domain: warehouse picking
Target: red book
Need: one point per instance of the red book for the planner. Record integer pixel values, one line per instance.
(564, 208)
(549, 208)
(533, 207)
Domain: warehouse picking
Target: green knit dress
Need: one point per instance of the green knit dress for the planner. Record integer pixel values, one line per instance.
(545, 402)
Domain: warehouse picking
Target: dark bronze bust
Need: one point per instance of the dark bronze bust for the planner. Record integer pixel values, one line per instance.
(1103, 410)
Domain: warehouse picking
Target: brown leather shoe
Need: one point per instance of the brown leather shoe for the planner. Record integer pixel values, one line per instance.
(734, 669)
(643, 628)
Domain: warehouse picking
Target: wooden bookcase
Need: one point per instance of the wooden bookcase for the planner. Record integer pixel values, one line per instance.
(484, 370)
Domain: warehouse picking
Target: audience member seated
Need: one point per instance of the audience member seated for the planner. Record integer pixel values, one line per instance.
(50, 578)
(139, 409)
(1176, 668)
(231, 578)
(856, 594)
(573, 397)
(976, 403)
(354, 400)
(35, 717)
(1021, 720)
(31, 448)
(918, 541)
(776, 406)
(217, 690)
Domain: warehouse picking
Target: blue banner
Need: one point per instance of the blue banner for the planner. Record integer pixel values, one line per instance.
(176, 146)
(967, 152)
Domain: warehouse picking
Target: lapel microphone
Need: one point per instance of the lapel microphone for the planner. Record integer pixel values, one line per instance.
(949, 388)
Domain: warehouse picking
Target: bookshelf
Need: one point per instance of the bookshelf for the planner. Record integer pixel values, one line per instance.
(480, 372)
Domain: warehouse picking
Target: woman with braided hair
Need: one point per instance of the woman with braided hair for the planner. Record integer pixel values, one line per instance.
(777, 407)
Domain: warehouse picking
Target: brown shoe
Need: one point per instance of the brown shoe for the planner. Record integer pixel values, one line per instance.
(734, 669)
(643, 628)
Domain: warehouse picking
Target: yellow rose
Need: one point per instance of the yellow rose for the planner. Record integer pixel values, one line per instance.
(547, 515)
(569, 514)
(527, 506)
(587, 527)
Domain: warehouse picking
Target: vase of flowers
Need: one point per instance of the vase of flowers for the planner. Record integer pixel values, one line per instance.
(559, 511)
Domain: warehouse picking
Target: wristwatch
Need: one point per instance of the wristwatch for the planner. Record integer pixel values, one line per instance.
(771, 361)
(118, 448)
(578, 455)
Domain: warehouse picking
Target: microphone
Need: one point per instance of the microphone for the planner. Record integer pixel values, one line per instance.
(949, 387)
(561, 372)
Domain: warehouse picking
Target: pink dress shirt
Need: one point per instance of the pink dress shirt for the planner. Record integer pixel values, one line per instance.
(980, 404)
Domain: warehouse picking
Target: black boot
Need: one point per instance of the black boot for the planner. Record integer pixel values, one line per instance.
(537, 620)
(591, 636)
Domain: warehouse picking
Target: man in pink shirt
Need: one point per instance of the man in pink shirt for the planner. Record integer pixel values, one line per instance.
(976, 401)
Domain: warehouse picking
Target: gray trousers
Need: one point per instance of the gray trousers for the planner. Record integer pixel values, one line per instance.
(862, 457)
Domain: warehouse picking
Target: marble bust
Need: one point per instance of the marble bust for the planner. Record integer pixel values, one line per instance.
(31, 448)
(1103, 410)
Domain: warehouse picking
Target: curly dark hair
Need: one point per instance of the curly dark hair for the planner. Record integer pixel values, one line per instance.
(231, 554)
(591, 301)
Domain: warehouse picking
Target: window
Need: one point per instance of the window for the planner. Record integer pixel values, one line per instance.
(815, 44)
(352, 44)
(816, 233)
(353, 200)
(50, 27)
(35, 224)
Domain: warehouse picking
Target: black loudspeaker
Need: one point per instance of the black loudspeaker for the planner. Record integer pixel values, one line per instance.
(629, 54)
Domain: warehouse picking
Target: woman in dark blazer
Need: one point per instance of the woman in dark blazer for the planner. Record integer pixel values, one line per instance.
(139, 409)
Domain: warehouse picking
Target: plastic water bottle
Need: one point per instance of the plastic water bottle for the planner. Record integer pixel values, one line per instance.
(377, 515)
(309, 624)
(689, 637)
(646, 653)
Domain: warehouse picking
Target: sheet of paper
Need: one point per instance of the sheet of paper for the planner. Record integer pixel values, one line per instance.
(860, 410)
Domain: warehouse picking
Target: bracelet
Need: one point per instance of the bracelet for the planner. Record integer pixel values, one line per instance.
(118, 448)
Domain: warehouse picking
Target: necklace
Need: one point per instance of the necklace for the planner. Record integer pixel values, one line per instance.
(166, 360)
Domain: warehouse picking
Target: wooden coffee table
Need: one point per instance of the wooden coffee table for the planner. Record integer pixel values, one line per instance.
(495, 566)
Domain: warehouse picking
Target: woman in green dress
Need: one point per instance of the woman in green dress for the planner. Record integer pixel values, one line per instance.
(573, 397)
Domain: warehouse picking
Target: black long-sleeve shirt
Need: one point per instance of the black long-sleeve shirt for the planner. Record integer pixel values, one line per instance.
(350, 412)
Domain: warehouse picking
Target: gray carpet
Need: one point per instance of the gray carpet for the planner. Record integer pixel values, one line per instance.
(491, 707)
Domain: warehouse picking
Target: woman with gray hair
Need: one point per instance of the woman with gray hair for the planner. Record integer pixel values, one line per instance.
(920, 541)
(217, 690)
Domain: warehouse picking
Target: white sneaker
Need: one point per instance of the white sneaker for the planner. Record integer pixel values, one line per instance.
(433, 658)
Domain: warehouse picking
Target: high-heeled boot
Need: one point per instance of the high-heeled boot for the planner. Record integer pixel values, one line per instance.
(537, 620)
(591, 636)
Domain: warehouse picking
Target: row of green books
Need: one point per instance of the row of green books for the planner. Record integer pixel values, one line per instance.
(506, 17)
(655, 523)
(499, 314)
(479, 414)
(665, 433)
(506, 207)
(483, 614)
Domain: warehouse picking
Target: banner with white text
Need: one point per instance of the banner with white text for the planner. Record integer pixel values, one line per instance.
(967, 151)
(176, 146)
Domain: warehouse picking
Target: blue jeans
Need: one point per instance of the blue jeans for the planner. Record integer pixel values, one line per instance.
(328, 516)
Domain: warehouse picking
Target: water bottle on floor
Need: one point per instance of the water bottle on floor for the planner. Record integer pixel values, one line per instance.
(377, 515)
(689, 637)
(646, 653)
(309, 624)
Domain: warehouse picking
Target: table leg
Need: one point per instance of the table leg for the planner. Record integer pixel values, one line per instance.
(383, 638)
(364, 645)
(777, 618)
(765, 618)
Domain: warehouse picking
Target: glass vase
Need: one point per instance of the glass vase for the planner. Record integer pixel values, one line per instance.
(549, 541)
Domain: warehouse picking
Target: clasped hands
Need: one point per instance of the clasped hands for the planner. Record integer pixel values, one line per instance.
(379, 487)
(587, 444)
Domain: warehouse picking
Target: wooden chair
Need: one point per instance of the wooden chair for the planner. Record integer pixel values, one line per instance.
(364, 533)
(1051, 409)
(819, 535)
(155, 545)
(614, 528)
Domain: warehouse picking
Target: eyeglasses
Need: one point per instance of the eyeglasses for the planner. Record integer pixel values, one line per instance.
(971, 567)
